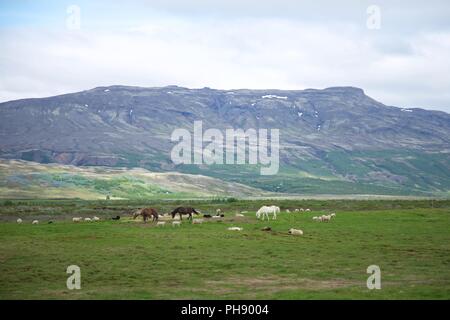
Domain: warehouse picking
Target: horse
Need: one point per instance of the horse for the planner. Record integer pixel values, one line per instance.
(265, 210)
(183, 210)
(146, 213)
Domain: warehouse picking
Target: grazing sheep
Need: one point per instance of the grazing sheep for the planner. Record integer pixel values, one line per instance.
(176, 223)
(333, 215)
(161, 223)
(76, 219)
(307, 210)
(295, 232)
(35, 222)
(301, 209)
(288, 211)
(96, 218)
(316, 218)
(235, 229)
(87, 219)
(296, 210)
(239, 215)
(326, 218)
(19, 221)
(197, 221)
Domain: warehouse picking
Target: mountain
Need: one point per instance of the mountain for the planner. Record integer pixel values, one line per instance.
(335, 141)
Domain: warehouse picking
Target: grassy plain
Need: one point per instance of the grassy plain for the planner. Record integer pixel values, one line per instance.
(409, 240)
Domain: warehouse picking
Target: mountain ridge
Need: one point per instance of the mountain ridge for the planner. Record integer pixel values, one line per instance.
(336, 133)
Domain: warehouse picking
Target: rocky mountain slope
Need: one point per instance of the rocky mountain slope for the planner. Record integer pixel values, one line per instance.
(336, 140)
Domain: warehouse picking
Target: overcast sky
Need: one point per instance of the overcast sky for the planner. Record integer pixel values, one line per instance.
(400, 56)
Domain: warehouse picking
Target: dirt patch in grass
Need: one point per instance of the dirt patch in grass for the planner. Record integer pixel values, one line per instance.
(274, 284)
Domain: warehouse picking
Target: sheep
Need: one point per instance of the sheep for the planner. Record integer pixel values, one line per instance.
(239, 215)
(218, 212)
(96, 218)
(288, 211)
(197, 221)
(296, 210)
(333, 215)
(35, 222)
(76, 219)
(19, 221)
(235, 229)
(316, 218)
(295, 232)
(216, 217)
(301, 209)
(307, 210)
(161, 223)
(87, 219)
(176, 223)
(326, 218)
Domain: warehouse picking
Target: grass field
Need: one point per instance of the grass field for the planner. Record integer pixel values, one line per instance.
(409, 240)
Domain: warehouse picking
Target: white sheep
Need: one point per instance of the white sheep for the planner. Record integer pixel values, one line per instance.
(35, 222)
(176, 223)
(197, 221)
(326, 218)
(161, 223)
(295, 232)
(308, 210)
(333, 215)
(19, 221)
(96, 218)
(77, 219)
(296, 210)
(301, 209)
(288, 211)
(235, 229)
(316, 218)
(88, 219)
(215, 217)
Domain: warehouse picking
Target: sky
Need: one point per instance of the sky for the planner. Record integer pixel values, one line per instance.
(397, 51)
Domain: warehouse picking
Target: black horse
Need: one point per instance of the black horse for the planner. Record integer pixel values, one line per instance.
(183, 210)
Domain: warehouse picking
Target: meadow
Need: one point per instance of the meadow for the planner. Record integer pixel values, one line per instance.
(126, 259)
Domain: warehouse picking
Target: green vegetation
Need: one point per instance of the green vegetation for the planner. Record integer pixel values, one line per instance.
(127, 259)
(20, 179)
(394, 172)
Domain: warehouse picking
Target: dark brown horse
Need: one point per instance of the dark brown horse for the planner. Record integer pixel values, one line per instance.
(183, 210)
(146, 213)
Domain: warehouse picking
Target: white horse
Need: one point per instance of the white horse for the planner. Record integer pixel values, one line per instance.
(265, 210)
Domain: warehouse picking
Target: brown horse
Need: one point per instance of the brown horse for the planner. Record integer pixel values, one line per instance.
(146, 213)
(183, 210)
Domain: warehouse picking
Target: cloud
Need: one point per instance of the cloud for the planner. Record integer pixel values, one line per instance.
(246, 51)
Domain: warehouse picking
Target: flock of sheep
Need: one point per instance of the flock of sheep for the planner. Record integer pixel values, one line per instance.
(262, 213)
(324, 217)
